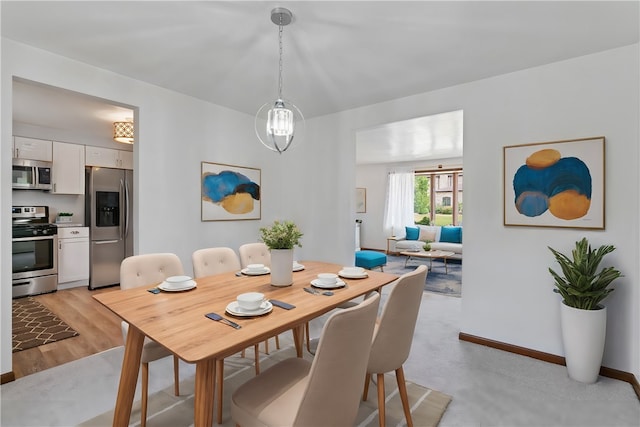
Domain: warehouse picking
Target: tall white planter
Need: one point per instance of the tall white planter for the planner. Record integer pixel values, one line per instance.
(583, 335)
(281, 267)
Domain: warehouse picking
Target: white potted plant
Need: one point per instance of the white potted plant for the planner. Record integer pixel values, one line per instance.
(280, 238)
(582, 316)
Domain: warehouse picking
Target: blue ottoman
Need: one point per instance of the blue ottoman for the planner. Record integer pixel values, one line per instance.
(370, 259)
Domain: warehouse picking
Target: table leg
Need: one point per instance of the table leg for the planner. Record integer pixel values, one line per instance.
(220, 387)
(298, 338)
(446, 270)
(406, 260)
(204, 393)
(128, 377)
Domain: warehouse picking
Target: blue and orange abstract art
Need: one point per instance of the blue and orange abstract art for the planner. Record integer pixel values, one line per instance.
(233, 191)
(547, 181)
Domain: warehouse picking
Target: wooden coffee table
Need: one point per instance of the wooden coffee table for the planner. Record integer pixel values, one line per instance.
(431, 255)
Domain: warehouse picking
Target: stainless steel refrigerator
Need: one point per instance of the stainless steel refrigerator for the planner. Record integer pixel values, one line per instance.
(109, 213)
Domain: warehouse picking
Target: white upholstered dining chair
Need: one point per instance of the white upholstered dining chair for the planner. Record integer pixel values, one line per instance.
(392, 338)
(257, 253)
(146, 270)
(254, 253)
(323, 392)
(210, 261)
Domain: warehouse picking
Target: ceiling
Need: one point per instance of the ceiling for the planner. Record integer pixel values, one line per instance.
(338, 55)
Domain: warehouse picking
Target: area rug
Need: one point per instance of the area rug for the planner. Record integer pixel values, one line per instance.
(447, 282)
(35, 325)
(166, 409)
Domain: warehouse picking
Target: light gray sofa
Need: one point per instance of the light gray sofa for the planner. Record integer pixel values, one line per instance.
(452, 235)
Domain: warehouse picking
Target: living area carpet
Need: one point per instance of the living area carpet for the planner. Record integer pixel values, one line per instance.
(35, 325)
(166, 409)
(446, 283)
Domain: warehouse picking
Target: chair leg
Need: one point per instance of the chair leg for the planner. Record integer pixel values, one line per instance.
(176, 375)
(402, 388)
(381, 412)
(145, 394)
(256, 349)
(365, 393)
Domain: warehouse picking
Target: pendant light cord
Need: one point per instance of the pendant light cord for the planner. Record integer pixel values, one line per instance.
(280, 30)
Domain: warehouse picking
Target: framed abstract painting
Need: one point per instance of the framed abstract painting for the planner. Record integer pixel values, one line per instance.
(229, 192)
(361, 200)
(555, 184)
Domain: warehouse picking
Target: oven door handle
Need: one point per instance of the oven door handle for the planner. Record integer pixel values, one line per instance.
(27, 239)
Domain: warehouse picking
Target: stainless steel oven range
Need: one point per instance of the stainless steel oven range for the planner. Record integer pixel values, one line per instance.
(34, 255)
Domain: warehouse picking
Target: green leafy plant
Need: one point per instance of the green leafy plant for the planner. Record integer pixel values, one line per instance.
(583, 286)
(427, 245)
(424, 221)
(65, 214)
(281, 235)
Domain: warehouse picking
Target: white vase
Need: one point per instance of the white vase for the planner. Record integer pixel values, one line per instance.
(583, 336)
(281, 267)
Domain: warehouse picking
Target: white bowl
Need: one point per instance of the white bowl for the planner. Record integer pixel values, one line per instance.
(353, 271)
(255, 267)
(177, 281)
(250, 300)
(327, 278)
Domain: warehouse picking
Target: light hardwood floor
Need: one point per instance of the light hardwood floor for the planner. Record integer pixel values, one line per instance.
(98, 328)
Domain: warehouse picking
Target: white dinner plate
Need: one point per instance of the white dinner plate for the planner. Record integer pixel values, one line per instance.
(255, 273)
(338, 284)
(234, 309)
(164, 286)
(298, 267)
(341, 273)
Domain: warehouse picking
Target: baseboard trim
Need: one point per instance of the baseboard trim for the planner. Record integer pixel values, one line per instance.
(7, 377)
(548, 357)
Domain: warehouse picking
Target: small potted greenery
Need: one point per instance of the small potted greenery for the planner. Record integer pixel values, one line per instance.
(427, 246)
(582, 316)
(280, 238)
(281, 235)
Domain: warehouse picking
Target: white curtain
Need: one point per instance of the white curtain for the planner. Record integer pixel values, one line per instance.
(399, 204)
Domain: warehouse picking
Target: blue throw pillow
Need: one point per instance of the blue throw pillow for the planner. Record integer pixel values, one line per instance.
(412, 233)
(451, 234)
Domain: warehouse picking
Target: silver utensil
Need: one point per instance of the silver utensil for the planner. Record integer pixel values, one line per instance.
(316, 292)
(217, 317)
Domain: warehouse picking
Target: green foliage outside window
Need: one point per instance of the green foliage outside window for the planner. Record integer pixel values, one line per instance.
(422, 200)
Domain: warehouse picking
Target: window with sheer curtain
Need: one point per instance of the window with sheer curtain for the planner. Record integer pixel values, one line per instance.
(399, 202)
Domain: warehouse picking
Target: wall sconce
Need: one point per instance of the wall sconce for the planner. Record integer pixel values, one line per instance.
(123, 132)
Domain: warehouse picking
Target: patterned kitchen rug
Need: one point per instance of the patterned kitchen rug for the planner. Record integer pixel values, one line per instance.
(35, 325)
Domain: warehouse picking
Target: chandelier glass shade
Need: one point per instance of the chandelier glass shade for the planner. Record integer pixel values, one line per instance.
(123, 132)
(278, 121)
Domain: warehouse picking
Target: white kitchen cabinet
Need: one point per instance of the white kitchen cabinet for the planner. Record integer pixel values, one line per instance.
(108, 158)
(32, 149)
(73, 255)
(68, 168)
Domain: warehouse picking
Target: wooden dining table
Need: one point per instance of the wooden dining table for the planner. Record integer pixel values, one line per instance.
(177, 321)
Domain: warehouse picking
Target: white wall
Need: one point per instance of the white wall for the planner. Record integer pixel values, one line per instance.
(176, 133)
(507, 290)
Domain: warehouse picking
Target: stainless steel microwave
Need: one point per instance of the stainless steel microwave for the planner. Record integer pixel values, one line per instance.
(31, 175)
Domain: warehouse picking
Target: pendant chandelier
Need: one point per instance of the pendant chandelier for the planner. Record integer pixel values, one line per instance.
(278, 121)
